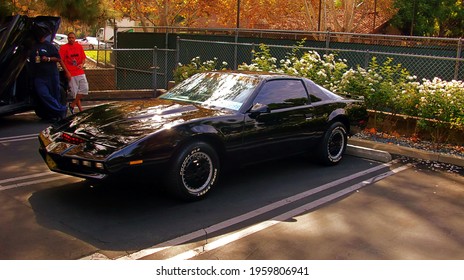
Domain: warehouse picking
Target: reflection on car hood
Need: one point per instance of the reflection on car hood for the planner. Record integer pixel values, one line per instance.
(118, 124)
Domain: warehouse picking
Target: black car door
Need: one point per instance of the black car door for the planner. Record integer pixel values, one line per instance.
(285, 128)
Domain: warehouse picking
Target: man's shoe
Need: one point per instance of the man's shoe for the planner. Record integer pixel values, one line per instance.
(54, 119)
(71, 109)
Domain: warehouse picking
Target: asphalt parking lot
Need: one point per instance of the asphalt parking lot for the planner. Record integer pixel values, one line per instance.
(416, 213)
(387, 220)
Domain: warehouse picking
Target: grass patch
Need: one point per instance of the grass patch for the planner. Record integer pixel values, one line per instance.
(102, 56)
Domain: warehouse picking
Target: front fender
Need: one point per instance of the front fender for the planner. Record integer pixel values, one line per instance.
(204, 128)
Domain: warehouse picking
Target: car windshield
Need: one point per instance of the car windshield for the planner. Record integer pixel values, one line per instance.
(225, 90)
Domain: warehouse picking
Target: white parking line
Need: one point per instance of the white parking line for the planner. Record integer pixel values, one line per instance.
(18, 138)
(23, 181)
(281, 218)
(225, 224)
(26, 177)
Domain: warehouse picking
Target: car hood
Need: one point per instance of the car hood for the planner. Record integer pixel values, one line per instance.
(115, 125)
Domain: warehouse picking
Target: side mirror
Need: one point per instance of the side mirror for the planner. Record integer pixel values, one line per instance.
(259, 109)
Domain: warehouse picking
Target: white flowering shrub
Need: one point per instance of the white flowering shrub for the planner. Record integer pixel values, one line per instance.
(441, 100)
(262, 61)
(325, 71)
(385, 87)
(182, 72)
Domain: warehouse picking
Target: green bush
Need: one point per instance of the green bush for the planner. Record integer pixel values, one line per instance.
(182, 72)
(440, 106)
(262, 61)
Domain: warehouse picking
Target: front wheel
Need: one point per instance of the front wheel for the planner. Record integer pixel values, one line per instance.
(333, 144)
(193, 171)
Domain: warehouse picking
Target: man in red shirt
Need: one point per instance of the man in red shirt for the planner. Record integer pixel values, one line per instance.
(73, 57)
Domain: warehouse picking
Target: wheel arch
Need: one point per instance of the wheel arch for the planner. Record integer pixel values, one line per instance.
(209, 138)
(340, 115)
(198, 178)
(332, 146)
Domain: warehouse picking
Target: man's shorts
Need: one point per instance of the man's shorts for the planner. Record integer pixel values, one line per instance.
(79, 85)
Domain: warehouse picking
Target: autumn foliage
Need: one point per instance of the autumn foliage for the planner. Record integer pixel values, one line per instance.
(360, 16)
(314, 15)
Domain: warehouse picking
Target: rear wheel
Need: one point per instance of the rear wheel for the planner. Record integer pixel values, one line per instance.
(193, 172)
(333, 144)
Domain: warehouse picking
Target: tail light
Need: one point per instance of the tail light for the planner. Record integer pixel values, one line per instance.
(72, 139)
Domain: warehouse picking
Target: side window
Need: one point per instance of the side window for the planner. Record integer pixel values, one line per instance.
(314, 92)
(314, 98)
(278, 94)
(318, 93)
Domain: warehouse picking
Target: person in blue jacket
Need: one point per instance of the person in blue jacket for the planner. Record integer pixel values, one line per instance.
(43, 60)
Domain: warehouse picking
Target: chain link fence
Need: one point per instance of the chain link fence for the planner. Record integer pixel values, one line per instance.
(426, 64)
(151, 68)
(130, 69)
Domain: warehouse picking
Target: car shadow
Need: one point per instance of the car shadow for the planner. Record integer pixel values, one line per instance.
(135, 215)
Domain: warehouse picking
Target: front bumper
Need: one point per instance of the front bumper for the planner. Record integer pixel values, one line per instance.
(59, 158)
(65, 165)
(57, 161)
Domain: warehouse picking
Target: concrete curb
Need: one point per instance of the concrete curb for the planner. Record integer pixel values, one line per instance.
(369, 153)
(373, 150)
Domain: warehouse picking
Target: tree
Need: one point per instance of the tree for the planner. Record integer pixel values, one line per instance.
(86, 11)
(430, 17)
(23, 7)
(83, 11)
(253, 14)
(6, 9)
(313, 15)
(161, 12)
(357, 16)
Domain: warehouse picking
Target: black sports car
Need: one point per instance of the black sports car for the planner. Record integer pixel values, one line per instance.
(192, 131)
